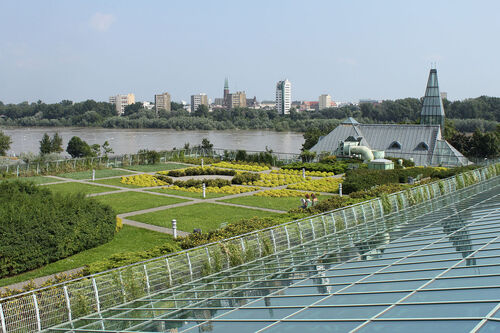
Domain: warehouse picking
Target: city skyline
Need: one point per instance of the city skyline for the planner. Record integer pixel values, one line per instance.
(350, 50)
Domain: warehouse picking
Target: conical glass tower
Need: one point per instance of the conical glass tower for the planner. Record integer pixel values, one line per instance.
(432, 109)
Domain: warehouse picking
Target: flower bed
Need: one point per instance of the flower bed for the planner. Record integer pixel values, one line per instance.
(281, 193)
(211, 189)
(237, 166)
(330, 185)
(143, 180)
(299, 173)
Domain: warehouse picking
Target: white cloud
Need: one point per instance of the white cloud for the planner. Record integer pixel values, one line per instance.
(101, 22)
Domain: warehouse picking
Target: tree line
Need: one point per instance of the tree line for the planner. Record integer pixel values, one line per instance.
(483, 112)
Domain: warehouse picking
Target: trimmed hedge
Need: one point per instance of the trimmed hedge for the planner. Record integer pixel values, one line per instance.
(199, 182)
(245, 177)
(38, 227)
(198, 171)
(365, 179)
(337, 168)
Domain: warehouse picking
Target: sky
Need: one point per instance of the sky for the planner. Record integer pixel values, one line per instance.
(351, 49)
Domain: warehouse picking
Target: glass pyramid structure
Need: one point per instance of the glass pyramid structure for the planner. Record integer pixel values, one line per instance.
(432, 109)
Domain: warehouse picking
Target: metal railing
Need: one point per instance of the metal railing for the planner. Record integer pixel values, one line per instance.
(80, 164)
(42, 308)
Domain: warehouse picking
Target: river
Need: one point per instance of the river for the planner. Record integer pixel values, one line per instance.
(126, 141)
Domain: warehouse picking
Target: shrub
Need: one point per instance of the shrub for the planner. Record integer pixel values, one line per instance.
(198, 171)
(38, 227)
(199, 182)
(322, 167)
(245, 177)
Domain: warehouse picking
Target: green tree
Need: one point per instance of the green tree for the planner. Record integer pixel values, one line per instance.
(201, 111)
(205, 144)
(106, 149)
(96, 150)
(56, 144)
(5, 142)
(78, 148)
(45, 145)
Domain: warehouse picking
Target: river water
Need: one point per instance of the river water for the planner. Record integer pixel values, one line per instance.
(127, 141)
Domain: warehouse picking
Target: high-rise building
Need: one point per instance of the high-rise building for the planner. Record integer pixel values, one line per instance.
(197, 100)
(237, 100)
(432, 109)
(227, 98)
(283, 97)
(121, 101)
(162, 101)
(325, 101)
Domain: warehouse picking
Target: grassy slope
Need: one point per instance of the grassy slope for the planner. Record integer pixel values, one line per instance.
(73, 187)
(128, 239)
(101, 173)
(125, 202)
(203, 215)
(155, 167)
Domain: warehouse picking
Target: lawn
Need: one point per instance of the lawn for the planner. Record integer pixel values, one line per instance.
(283, 203)
(74, 187)
(125, 202)
(101, 173)
(115, 182)
(37, 179)
(205, 216)
(155, 167)
(128, 239)
(188, 194)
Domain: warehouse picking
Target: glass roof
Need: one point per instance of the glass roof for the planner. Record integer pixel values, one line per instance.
(437, 271)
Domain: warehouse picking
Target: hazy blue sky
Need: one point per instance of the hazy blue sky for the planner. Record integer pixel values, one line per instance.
(77, 50)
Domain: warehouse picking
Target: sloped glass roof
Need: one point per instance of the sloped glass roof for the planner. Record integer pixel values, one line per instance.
(437, 269)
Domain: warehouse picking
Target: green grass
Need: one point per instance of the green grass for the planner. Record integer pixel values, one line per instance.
(155, 167)
(36, 179)
(125, 202)
(206, 216)
(74, 187)
(283, 203)
(127, 240)
(101, 173)
(115, 182)
(188, 194)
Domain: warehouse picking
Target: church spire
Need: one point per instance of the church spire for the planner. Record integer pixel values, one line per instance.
(432, 109)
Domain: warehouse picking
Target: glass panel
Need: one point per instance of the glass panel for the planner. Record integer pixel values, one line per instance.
(490, 326)
(385, 286)
(465, 282)
(363, 298)
(271, 313)
(455, 295)
(286, 301)
(420, 326)
(440, 310)
(306, 326)
(339, 312)
(404, 275)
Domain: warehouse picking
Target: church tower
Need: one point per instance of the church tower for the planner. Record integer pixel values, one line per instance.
(432, 109)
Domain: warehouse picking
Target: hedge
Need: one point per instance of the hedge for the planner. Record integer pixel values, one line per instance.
(38, 227)
(364, 179)
(197, 171)
(337, 168)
